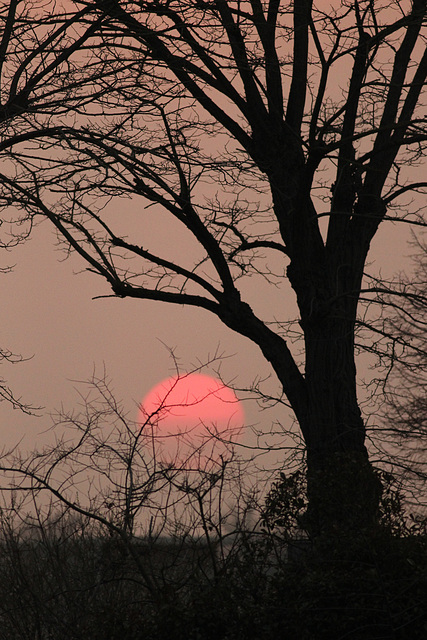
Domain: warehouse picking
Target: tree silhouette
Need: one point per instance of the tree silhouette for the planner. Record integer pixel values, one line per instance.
(402, 428)
(278, 135)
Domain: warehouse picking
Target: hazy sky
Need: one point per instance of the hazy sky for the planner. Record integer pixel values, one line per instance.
(48, 313)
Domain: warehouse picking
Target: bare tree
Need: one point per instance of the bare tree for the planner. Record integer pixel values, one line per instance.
(89, 560)
(161, 521)
(400, 430)
(277, 135)
(27, 83)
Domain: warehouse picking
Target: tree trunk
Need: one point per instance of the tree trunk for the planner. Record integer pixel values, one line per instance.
(343, 489)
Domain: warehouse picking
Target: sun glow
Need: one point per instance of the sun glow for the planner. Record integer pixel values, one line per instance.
(193, 420)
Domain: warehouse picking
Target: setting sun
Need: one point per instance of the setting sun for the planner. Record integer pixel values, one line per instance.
(192, 417)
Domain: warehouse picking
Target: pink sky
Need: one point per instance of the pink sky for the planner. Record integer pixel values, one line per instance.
(48, 313)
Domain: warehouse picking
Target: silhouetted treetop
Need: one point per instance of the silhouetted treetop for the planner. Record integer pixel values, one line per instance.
(278, 136)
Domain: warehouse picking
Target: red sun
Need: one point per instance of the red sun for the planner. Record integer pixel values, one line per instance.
(191, 419)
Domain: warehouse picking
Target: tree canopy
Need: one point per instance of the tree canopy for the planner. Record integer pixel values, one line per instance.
(278, 135)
